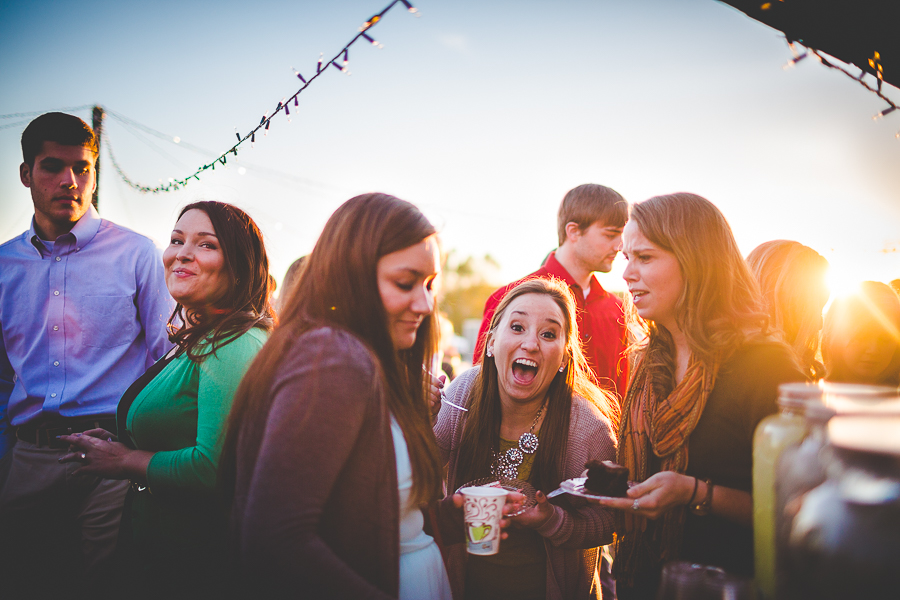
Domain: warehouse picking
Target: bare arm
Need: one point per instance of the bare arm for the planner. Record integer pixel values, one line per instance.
(667, 490)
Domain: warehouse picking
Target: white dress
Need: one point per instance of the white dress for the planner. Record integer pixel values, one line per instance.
(422, 573)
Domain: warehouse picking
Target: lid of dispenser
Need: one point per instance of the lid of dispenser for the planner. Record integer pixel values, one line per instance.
(878, 434)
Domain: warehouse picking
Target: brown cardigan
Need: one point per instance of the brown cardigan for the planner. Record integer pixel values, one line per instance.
(571, 536)
(316, 512)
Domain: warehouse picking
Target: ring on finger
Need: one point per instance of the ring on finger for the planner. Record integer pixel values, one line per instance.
(635, 506)
(83, 455)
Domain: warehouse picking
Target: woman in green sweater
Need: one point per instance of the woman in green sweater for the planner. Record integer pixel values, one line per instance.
(171, 420)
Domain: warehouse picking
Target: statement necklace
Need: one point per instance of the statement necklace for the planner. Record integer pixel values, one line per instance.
(506, 465)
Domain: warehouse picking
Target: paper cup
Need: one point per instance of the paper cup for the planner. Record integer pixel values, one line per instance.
(483, 508)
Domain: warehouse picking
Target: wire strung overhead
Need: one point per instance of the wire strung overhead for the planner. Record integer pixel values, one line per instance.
(874, 63)
(340, 62)
(246, 167)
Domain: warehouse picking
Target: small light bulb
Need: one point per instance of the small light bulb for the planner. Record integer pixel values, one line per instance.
(886, 111)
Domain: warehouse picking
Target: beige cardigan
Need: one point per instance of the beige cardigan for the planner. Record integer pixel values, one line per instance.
(572, 536)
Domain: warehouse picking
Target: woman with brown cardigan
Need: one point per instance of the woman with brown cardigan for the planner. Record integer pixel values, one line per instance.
(330, 452)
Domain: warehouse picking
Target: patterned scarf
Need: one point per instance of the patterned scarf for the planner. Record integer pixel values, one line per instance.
(663, 426)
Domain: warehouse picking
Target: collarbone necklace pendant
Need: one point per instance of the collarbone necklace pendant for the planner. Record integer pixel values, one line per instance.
(506, 464)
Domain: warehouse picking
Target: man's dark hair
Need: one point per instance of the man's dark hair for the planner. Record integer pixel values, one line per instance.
(58, 127)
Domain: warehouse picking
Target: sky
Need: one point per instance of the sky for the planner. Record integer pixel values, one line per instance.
(481, 113)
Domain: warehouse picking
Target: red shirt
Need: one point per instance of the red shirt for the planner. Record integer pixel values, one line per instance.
(601, 325)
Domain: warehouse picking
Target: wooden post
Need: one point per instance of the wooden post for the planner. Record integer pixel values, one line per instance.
(97, 124)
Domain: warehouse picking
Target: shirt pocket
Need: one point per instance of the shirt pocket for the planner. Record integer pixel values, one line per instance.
(108, 321)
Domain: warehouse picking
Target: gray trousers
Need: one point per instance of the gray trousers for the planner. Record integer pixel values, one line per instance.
(56, 529)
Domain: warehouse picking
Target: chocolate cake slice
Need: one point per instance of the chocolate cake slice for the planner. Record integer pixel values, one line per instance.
(606, 478)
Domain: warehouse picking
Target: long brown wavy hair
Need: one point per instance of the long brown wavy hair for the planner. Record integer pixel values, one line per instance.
(338, 288)
(791, 278)
(719, 307)
(481, 432)
(246, 302)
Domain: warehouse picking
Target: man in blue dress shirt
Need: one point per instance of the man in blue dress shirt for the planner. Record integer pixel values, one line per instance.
(83, 311)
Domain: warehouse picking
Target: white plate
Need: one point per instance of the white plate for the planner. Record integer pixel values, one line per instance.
(575, 486)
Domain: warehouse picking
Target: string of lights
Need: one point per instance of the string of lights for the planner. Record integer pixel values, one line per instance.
(244, 167)
(115, 164)
(340, 62)
(874, 63)
(131, 123)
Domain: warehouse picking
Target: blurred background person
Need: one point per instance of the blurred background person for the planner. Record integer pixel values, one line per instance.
(705, 374)
(792, 281)
(533, 414)
(861, 338)
(171, 420)
(895, 285)
(330, 452)
(291, 276)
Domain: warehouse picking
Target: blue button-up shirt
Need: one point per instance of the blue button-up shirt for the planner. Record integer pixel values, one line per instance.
(81, 319)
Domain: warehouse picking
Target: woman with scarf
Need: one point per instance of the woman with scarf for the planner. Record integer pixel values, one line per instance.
(706, 372)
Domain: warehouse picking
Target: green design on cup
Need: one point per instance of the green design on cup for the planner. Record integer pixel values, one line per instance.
(478, 533)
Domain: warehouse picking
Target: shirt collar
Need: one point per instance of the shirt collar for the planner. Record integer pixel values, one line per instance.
(86, 227)
(83, 231)
(36, 242)
(555, 268)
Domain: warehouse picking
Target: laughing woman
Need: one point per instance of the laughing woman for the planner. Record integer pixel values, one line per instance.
(531, 413)
(171, 420)
(705, 375)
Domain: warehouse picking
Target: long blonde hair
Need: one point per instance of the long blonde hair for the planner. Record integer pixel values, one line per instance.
(791, 277)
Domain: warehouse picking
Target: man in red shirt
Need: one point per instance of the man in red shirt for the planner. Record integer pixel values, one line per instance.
(589, 224)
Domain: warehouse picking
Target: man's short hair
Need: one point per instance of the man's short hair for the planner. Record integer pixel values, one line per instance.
(589, 203)
(58, 127)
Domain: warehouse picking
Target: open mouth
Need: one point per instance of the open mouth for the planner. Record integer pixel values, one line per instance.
(524, 370)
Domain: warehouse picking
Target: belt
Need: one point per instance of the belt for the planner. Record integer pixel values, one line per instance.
(45, 433)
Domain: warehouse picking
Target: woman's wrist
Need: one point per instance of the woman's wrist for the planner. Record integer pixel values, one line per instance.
(694, 492)
(703, 506)
(135, 464)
